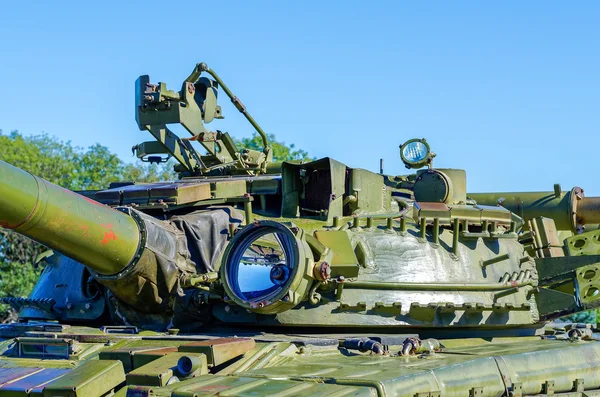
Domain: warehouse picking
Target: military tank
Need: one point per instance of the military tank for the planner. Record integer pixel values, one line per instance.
(251, 277)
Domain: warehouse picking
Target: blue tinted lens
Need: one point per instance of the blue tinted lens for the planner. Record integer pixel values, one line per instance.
(261, 265)
(415, 152)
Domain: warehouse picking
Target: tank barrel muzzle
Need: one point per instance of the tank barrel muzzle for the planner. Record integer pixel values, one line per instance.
(91, 233)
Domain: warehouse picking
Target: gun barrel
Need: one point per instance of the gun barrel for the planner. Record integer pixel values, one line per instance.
(588, 209)
(568, 209)
(91, 233)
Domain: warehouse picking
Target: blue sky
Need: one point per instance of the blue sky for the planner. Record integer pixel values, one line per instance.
(506, 90)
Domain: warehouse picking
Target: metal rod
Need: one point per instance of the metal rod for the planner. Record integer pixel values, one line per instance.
(237, 103)
(495, 259)
(263, 202)
(423, 228)
(455, 236)
(403, 225)
(248, 212)
(384, 215)
(390, 223)
(436, 230)
(416, 286)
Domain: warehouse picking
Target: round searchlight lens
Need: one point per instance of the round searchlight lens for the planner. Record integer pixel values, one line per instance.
(261, 266)
(415, 153)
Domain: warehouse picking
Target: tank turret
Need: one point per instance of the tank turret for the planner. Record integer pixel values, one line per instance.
(241, 240)
(248, 276)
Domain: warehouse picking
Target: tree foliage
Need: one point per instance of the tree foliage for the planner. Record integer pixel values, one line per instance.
(281, 151)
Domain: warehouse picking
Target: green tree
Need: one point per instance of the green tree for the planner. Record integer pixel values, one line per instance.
(149, 173)
(281, 151)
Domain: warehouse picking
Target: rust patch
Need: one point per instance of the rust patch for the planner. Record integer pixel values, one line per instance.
(108, 235)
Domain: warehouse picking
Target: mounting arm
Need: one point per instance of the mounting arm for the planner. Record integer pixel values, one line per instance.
(203, 67)
(195, 104)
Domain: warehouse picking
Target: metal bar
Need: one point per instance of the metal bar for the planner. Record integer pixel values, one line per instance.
(455, 236)
(176, 147)
(436, 230)
(238, 104)
(403, 224)
(390, 223)
(495, 259)
(423, 228)
(336, 222)
(416, 286)
(248, 212)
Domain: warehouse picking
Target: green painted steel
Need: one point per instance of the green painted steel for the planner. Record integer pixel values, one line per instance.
(249, 277)
(94, 234)
(529, 205)
(570, 210)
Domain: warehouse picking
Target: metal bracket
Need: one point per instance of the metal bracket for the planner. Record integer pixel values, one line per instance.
(548, 388)
(476, 392)
(516, 390)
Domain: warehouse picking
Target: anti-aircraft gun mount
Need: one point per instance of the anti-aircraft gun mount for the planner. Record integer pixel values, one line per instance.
(243, 245)
(194, 105)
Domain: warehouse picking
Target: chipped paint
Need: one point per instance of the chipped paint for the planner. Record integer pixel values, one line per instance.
(108, 235)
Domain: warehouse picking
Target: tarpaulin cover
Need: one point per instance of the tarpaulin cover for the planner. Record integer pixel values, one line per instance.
(206, 232)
